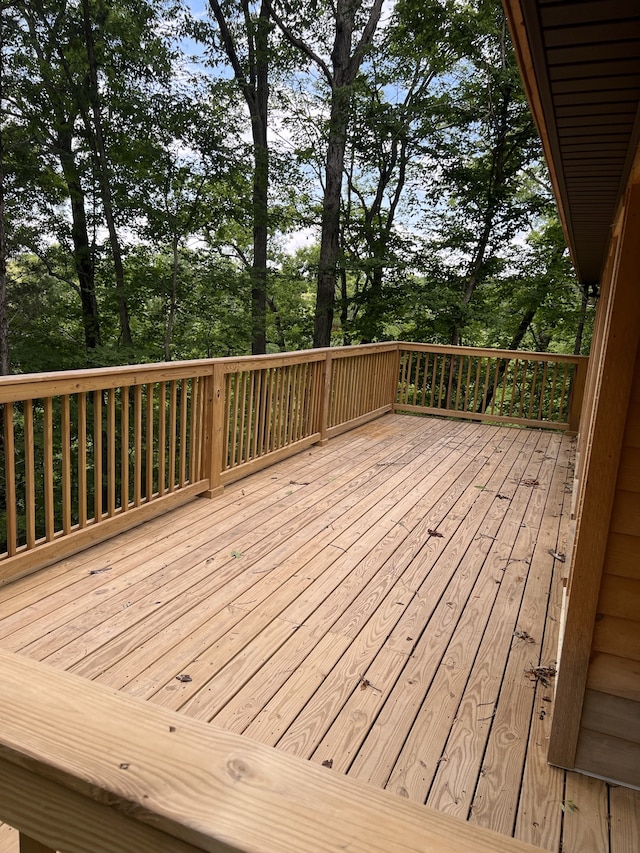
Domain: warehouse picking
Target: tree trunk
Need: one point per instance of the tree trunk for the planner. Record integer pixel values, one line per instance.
(5, 367)
(255, 90)
(82, 256)
(260, 201)
(329, 241)
(173, 300)
(96, 134)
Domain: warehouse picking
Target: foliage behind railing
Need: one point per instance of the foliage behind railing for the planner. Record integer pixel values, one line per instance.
(88, 453)
(533, 389)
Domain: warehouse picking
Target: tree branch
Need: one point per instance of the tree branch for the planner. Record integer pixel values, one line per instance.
(302, 45)
(365, 40)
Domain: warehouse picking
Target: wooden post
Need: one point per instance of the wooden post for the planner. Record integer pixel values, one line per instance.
(212, 434)
(30, 845)
(325, 400)
(577, 397)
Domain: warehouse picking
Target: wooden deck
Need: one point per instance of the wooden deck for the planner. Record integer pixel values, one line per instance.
(380, 606)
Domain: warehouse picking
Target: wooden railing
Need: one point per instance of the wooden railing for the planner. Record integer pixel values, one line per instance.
(89, 453)
(83, 768)
(528, 388)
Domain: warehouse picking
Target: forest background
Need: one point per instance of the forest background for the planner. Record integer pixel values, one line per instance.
(262, 176)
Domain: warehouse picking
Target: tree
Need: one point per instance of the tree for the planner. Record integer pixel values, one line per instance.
(482, 159)
(340, 73)
(397, 109)
(251, 73)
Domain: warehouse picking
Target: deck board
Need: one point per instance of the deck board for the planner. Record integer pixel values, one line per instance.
(373, 605)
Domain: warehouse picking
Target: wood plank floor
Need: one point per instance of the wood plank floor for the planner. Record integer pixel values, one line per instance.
(378, 606)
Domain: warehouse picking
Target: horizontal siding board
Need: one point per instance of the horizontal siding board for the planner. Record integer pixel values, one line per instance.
(616, 636)
(623, 555)
(611, 715)
(620, 597)
(629, 471)
(610, 757)
(614, 675)
(625, 517)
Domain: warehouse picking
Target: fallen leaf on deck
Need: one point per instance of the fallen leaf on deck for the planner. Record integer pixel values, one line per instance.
(541, 674)
(172, 728)
(569, 806)
(503, 497)
(530, 482)
(523, 635)
(236, 554)
(184, 678)
(298, 483)
(124, 766)
(557, 556)
(328, 763)
(364, 684)
(435, 533)
(100, 571)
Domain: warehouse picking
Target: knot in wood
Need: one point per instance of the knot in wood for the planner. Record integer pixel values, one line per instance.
(238, 769)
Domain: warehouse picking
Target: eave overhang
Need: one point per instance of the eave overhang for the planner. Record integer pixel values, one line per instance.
(580, 63)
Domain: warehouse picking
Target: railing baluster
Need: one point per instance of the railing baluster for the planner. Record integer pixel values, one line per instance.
(111, 452)
(193, 431)
(425, 374)
(30, 477)
(49, 518)
(543, 389)
(496, 374)
(162, 436)
(486, 383)
(468, 384)
(525, 368)
(148, 440)
(10, 479)
(137, 445)
(124, 447)
(184, 397)
(97, 454)
(532, 393)
(82, 460)
(65, 450)
(514, 384)
(563, 392)
(173, 432)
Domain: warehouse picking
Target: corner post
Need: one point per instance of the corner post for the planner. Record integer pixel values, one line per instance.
(213, 435)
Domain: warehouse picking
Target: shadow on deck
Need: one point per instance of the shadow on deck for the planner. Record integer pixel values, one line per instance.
(387, 606)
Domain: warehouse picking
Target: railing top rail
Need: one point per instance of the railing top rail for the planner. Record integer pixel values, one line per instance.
(29, 386)
(494, 353)
(199, 786)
